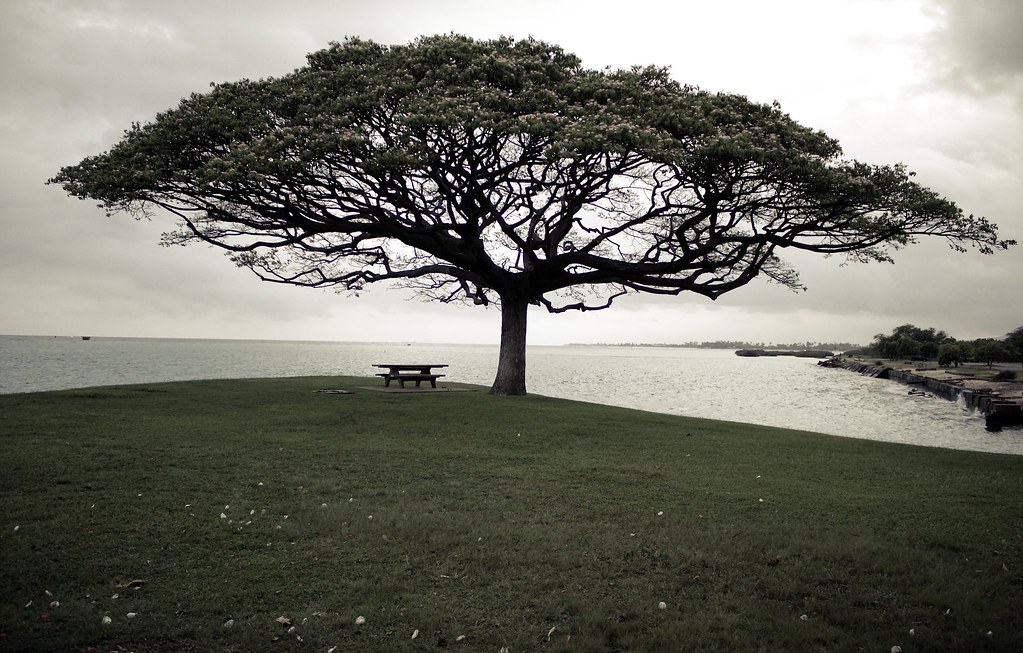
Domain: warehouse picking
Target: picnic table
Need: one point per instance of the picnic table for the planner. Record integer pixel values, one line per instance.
(402, 372)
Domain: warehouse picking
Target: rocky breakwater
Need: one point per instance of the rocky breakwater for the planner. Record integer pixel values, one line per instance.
(1001, 403)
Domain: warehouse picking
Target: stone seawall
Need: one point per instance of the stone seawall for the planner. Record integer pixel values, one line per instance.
(1000, 403)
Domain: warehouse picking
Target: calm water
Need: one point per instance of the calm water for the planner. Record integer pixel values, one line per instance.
(784, 391)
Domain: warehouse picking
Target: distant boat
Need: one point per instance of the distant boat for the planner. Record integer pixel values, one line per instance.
(86, 337)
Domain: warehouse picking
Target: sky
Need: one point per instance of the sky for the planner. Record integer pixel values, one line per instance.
(934, 84)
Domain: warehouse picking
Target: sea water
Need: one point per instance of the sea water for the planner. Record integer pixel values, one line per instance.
(775, 391)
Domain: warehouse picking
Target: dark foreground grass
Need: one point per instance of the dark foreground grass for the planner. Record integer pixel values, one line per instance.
(194, 515)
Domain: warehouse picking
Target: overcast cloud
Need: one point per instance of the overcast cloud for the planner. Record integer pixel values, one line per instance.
(935, 84)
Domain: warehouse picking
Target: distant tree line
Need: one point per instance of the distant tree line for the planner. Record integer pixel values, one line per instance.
(739, 344)
(912, 342)
(793, 346)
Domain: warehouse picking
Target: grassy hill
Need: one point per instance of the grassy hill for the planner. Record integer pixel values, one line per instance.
(259, 515)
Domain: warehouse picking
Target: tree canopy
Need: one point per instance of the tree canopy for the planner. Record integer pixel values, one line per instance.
(503, 172)
(908, 340)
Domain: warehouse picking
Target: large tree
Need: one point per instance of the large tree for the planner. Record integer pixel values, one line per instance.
(503, 172)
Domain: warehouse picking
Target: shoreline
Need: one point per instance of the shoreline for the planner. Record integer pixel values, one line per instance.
(1000, 402)
(712, 384)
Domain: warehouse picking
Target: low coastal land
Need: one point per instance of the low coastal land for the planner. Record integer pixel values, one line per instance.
(262, 515)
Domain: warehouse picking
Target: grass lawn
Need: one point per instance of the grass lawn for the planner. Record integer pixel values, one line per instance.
(258, 515)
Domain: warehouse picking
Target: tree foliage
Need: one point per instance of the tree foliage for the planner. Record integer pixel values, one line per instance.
(907, 340)
(990, 351)
(1015, 338)
(950, 354)
(504, 172)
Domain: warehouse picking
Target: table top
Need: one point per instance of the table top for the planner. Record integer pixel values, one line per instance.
(411, 366)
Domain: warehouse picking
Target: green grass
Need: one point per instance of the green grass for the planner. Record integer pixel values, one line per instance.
(528, 523)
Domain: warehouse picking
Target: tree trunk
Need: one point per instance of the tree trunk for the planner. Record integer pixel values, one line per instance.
(511, 366)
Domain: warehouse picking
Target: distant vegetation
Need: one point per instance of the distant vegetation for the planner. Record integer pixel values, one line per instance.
(831, 347)
(912, 342)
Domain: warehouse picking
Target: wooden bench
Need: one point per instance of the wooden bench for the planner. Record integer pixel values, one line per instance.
(409, 372)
